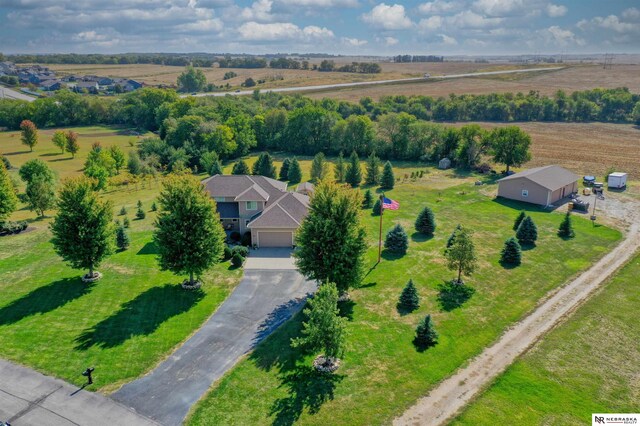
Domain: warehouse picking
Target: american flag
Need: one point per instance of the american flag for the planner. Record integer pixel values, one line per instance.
(390, 204)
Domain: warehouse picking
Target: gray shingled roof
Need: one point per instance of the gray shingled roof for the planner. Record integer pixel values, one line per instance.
(550, 177)
(264, 188)
(288, 211)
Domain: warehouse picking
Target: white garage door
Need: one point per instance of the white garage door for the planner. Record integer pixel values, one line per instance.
(275, 239)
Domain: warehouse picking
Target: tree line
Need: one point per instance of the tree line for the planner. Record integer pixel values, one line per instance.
(418, 58)
(114, 59)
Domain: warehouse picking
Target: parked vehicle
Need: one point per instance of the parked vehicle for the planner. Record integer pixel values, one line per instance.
(617, 180)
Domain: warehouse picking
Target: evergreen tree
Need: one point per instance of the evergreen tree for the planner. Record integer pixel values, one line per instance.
(295, 172)
(377, 207)
(29, 134)
(373, 170)
(340, 169)
(8, 198)
(123, 211)
(154, 207)
(59, 139)
(122, 238)
(397, 240)
(388, 180)
(409, 299)
(426, 335)
(527, 232)
(331, 240)
(83, 227)
(284, 170)
(125, 222)
(140, 214)
(240, 168)
(210, 163)
(353, 175)
(511, 252)
(461, 254)
(319, 168)
(188, 233)
(519, 220)
(324, 330)
(40, 194)
(453, 234)
(264, 166)
(367, 202)
(426, 223)
(72, 146)
(566, 227)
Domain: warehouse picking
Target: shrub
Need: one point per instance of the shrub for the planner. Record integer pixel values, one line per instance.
(527, 232)
(9, 227)
(246, 239)
(235, 236)
(237, 260)
(397, 240)
(123, 211)
(511, 252)
(426, 223)
(409, 298)
(241, 250)
(426, 335)
(227, 253)
(519, 220)
(566, 227)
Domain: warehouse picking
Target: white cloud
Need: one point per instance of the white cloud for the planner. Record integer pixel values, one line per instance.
(440, 6)
(612, 23)
(324, 4)
(447, 40)
(388, 17)
(501, 7)
(469, 19)
(255, 31)
(259, 11)
(391, 41)
(354, 42)
(631, 14)
(431, 23)
(555, 11)
(208, 25)
(558, 37)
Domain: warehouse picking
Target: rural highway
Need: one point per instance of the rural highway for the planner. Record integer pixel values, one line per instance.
(450, 396)
(372, 83)
(6, 93)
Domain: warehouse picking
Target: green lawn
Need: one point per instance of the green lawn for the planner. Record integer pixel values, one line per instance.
(587, 365)
(382, 373)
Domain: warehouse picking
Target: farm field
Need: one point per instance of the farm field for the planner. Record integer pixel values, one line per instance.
(575, 77)
(587, 365)
(382, 374)
(160, 74)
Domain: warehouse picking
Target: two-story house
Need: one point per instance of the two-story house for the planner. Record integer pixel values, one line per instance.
(259, 205)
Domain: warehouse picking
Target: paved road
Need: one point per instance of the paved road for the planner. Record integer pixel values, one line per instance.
(6, 93)
(372, 83)
(28, 398)
(450, 396)
(264, 299)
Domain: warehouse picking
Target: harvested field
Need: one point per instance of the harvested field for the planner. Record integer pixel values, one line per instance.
(573, 78)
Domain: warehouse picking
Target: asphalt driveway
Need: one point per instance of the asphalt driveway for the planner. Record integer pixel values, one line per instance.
(264, 299)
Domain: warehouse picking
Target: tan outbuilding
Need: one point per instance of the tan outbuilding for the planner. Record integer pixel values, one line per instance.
(540, 185)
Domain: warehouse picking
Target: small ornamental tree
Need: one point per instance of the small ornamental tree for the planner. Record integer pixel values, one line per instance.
(519, 220)
(33, 168)
(295, 172)
(118, 157)
(8, 198)
(388, 180)
(353, 174)
(367, 201)
(122, 238)
(373, 170)
(377, 207)
(40, 194)
(566, 227)
(340, 169)
(461, 254)
(511, 252)
(426, 335)
(453, 234)
(284, 170)
(72, 145)
(83, 230)
(397, 240)
(409, 299)
(59, 139)
(29, 134)
(237, 260)
(240, 168)
(527, 232)
(426, 223)
(319, 168)
(324, 330)
(188, 233)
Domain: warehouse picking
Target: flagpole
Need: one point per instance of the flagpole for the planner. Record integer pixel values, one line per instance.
(380, 236)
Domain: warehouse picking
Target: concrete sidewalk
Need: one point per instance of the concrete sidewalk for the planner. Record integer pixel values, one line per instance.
(29, 398)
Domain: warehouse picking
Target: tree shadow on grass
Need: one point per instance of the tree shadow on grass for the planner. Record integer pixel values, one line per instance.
(44, 299)
(390, 255)
(527, 246)
(308, 389)
(275, 351)
(277, 317)
(140, 316)
(149, 248)
(345, 308)
(506, 265)
(452, 295)
(420, 238)
(403, 310)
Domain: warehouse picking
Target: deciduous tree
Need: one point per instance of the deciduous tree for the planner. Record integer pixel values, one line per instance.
(191, 80)
(319, 168)
(461, 254)
(29, 134)
(59, 139)
(510, 146)
(72, 145)
(8, 198)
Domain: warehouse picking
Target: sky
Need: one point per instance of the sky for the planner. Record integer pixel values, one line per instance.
(350, 27)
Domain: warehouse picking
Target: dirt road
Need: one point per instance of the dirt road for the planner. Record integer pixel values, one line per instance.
(451, 395)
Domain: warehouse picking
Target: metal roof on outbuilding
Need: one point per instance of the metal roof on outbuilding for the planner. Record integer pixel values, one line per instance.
(550, 177)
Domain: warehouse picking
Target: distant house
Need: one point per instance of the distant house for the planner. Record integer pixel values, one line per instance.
(51, 85)
(541, 185)
(89, 86)
(131, 85)
(259, 205)
(105, 81)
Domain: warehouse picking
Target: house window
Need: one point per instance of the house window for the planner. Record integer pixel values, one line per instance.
(252, 205)
(525, 193)
(219, 199)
